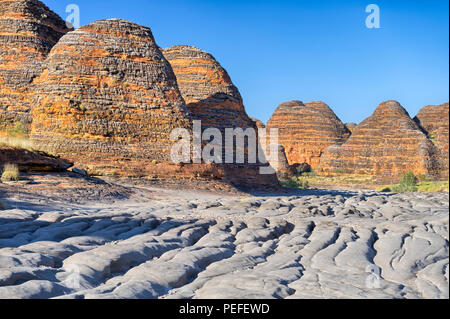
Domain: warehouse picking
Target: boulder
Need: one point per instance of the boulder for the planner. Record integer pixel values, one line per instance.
(32, 161)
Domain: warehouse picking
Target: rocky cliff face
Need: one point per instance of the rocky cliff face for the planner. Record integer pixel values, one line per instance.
(306, 130)
(434, 119)
(385, 145)
(28, 30)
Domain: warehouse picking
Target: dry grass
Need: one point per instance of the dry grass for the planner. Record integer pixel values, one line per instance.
(10, 173)
(19, 142)
(422, 187)
(338, 180)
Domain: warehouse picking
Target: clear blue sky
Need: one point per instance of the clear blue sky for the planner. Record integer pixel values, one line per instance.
(281, 50)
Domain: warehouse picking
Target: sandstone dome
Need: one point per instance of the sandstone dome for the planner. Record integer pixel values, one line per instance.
(306, 130)
(385, 145)
(108, 96)
(207, 88)
(434, 119)
(108, 100)
(28, 31)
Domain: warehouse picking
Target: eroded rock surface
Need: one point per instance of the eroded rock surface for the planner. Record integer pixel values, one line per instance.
(28, 30)
(306, 130)
(385, 145)
(312, 244)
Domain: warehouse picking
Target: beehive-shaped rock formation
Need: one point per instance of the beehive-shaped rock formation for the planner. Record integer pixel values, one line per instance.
(386, 145)
(28, 31)
(306, 130)
(108, 100)
(212, 98)
(207, 88)
(108, 96)
(434, 119)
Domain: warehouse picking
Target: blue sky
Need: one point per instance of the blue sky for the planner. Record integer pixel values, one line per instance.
(277, 51)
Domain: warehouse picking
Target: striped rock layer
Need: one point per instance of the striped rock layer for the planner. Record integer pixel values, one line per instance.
(434, 119)
(386, 145)
(107, 96)
(306, 130)
(212, 98)
(108, 100)
(28, 31)
(207, 88)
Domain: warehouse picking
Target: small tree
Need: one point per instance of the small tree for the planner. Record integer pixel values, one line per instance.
(408, 183)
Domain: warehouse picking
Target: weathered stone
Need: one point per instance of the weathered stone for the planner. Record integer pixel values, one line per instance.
(385, 145)
(28, 30)
(107, 98)
(306, 130)
(434, 119)
(31, 161)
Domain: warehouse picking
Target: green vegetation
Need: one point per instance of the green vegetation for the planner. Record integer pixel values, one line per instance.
(433, 187)
(10, 173)
(410, 183)
(346, 180)
(432, 137)
(295, 182)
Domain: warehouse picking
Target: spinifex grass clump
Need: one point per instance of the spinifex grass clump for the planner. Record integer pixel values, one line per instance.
(10, 173)
(294, 182)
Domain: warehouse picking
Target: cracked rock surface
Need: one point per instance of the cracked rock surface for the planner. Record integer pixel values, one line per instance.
(169, 244)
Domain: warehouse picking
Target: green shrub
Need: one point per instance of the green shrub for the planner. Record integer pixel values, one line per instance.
(408, 184)
(10, 173)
